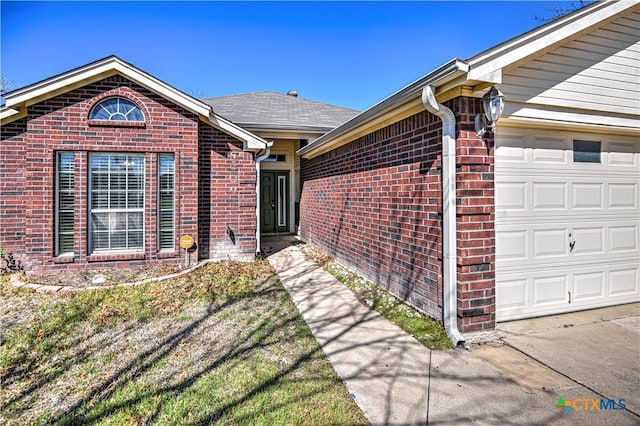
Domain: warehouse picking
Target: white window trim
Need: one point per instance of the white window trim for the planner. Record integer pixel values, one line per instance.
(102, 101)
(90, 209)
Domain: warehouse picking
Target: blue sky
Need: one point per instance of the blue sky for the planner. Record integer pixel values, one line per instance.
(349, 54)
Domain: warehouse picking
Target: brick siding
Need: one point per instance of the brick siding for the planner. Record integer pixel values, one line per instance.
(375, 204)
(13, 203)
(227, 198)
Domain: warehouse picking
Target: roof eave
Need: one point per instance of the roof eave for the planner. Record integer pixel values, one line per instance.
(368, 119)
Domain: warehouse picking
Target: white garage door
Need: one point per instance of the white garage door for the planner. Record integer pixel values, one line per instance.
(567, 222)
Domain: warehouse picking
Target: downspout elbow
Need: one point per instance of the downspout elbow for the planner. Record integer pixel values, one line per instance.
(449, 258)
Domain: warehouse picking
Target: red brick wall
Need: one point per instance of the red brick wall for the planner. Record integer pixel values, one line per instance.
(61, 124)
(227, 201)
(12, 189)
(375, 204)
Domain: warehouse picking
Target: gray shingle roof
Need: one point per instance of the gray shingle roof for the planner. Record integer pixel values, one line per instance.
(273, 109)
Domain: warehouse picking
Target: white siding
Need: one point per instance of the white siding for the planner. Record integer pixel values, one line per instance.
(599, 72)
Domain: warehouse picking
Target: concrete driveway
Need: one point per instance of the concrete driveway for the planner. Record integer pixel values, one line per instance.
(597, 351)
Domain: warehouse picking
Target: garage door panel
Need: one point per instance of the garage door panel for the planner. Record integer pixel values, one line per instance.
(588, 286)
(622, 155)
(549, 196)
(545, 202)
(513, 246)
(524, 293)
(514, 196)
(624, 282)
(534, 245)
(623, 196)
(551, 290)
(588, 196)
(550, 243)
(513, 149)
(513, 295)
(623, 239)
(549, 150)
(588, 240)
(529, 196)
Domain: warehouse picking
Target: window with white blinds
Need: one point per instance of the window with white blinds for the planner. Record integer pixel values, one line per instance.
(65, 202)
(166, 203)
(116, 202)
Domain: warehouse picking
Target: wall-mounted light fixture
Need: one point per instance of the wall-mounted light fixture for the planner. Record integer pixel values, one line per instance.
(492, 104)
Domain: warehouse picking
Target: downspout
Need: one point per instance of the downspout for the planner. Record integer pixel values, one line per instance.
(258, 160)
(449, 260)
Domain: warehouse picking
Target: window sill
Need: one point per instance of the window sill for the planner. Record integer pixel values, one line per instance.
(116, 123)
(106, 257)
(65, 258)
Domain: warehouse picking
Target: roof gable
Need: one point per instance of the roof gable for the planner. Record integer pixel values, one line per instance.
(487, 65)
(598, 71)
(19, 100)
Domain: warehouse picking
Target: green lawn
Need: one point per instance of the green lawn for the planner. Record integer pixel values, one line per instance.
(222, 345)
(427, 331)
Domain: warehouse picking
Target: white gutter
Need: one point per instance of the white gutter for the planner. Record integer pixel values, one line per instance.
(259, 160)
(450, 282)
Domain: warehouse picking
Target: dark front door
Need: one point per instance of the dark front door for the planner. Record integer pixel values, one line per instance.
(274, 201)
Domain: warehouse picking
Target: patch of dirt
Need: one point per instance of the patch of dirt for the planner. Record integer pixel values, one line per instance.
(103, 277)
(313, 254)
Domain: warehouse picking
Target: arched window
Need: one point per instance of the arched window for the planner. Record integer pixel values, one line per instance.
(116, 109)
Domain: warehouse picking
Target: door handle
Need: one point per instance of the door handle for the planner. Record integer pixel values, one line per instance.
(572, 243)
(273, 205)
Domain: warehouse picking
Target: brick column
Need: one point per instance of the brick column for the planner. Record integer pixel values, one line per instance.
(475, 221)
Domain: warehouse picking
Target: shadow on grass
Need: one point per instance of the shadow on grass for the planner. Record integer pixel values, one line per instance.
(265, 320)
(273, 323)
(38, 340)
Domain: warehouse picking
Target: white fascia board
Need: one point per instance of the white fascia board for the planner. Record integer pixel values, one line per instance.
(53, 85)
(483, 65)
(437, 77)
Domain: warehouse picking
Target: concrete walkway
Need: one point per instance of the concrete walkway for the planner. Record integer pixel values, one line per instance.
(397, 381)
